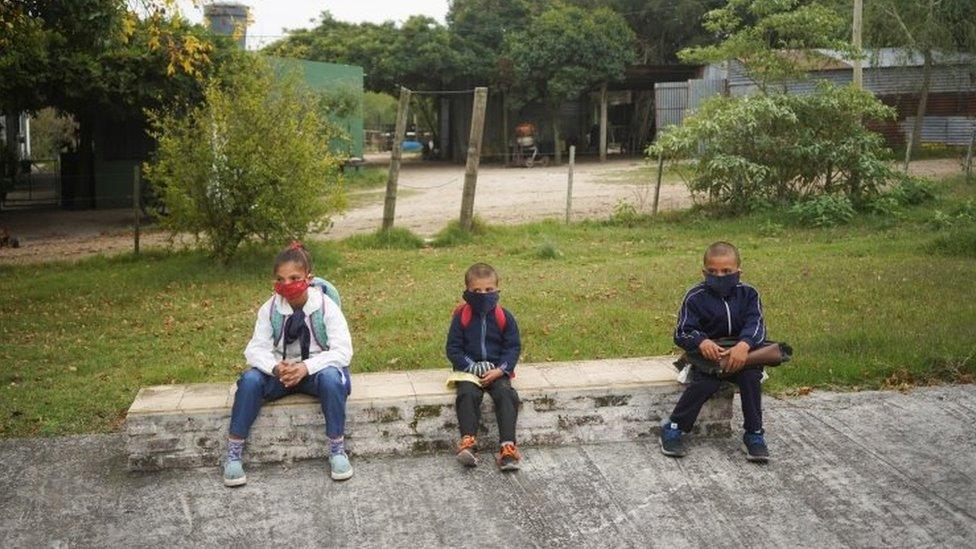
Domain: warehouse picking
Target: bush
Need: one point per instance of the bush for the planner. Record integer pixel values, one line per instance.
(824, 211)
(963, 214)
(912, 191)
(392, 239)
(960, 242)
(625, 214)
(770, 228)
(548, 250)
(454, 235)
(252, 161)
(783, 148)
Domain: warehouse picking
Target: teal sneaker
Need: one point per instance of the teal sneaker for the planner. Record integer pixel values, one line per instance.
(341, 470)
(234, 473)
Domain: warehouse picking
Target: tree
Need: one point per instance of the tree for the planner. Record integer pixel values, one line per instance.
(379, 111)
(770, 39)
(565, 51)
(936, 30)
(663, 27)
(251, 162)
(94, 58)
(368, 45)
(478, 30)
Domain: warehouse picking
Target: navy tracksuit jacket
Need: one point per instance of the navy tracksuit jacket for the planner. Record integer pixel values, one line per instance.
(483, 340)
(705, 315)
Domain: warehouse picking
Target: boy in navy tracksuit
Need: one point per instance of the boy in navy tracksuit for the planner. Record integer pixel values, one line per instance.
(483, 340)
(720, 307)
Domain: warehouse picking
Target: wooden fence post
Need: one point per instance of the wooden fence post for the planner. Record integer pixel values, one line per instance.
(657, 188)
(569, 185)
(474, 157)
(136, 206)
(389, 203)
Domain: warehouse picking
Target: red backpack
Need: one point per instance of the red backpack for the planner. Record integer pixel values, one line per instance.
(465, 311)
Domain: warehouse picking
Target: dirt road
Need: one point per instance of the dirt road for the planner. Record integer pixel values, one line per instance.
(509, 195)
(430, 198)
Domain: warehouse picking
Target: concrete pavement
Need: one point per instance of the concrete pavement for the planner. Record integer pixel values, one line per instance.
(871, 469)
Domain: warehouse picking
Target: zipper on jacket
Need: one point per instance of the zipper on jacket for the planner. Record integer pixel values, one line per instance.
(484, 328)
(728, 314)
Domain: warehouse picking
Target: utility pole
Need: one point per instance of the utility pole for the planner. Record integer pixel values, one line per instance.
(858, 74)
(389, 204)
(474, 157)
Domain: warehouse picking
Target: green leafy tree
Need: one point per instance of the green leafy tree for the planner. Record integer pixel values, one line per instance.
(770, 38)
(478, 30)
(783, 148)
(662, 27)
(368, 45)
(92, 58)
(936, 30)
(565, 51)
(251, 162)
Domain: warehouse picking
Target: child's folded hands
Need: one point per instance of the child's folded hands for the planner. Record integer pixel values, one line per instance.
(291, 375)
(490, 376)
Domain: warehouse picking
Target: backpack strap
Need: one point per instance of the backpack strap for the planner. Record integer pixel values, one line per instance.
(328, 289)
(277, 321)
(318, 328)
(317, 320)
(500, 318)
(466, 312)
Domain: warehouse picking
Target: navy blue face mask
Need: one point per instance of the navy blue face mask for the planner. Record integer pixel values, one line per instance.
(481, 303)
(722, 285)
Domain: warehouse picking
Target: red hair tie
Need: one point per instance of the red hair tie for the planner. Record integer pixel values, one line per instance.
(296, 245)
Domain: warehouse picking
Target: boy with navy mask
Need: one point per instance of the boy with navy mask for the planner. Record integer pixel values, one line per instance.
(483, 340)
(720, 307)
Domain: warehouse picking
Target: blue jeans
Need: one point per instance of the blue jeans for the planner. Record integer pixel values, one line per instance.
(254, 387)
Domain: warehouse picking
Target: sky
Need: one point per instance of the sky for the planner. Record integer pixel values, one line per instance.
(271, 16)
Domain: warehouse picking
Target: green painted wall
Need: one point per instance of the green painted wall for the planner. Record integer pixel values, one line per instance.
(346, 80)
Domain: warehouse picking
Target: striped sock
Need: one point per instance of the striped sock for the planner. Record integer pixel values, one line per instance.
(337, 446)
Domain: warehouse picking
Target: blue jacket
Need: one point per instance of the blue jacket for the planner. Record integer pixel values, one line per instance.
(705, 315)
(483, 340)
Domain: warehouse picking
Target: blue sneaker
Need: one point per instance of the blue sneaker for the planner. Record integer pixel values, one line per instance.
(234, 473)
(754, 445)
(671, 442)
(341, 469)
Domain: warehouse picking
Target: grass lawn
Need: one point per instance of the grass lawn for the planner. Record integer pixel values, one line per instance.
(882, 301)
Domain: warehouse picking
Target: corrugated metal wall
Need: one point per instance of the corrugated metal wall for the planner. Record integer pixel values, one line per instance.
(675, 100)
(670, 102)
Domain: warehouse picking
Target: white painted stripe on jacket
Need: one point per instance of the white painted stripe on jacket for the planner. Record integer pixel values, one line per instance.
(683, 316)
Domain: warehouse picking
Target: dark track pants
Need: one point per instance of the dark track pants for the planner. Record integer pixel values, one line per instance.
(703, 386)
(468, 406)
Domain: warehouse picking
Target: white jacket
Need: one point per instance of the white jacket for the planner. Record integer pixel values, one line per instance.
(261, 352)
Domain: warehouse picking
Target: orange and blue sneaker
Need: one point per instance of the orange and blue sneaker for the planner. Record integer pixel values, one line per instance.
(509, 457)
(467, 451)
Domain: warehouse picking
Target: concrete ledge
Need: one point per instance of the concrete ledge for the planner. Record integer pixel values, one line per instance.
(407, 412)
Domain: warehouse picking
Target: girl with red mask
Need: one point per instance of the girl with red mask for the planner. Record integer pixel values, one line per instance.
(301, 343)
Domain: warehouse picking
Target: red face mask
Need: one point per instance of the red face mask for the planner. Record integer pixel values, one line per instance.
(291, 290)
